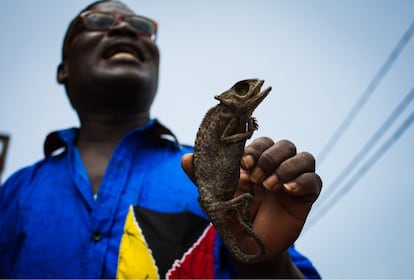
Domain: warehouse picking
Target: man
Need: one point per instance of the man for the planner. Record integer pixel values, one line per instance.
(114, 202)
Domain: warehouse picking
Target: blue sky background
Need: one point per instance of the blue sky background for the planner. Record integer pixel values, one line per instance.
(319, 57)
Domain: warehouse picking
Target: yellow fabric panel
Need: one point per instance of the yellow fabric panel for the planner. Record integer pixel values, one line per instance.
(135, 258)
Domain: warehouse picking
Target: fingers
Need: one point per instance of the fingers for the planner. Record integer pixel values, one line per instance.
(187, 165)
(294, 166)
(274, 165)
(278, 164)
(254, 150)
(307, 185)
(263, 156)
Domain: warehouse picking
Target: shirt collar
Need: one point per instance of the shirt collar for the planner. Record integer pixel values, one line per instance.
(61, 139)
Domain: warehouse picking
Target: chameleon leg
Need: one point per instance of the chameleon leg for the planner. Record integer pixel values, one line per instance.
(242, 200)
(229, 136)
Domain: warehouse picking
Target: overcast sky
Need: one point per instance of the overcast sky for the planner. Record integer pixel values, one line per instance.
(319, 56)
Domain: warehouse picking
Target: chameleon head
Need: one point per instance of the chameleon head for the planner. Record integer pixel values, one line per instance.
(244, 96)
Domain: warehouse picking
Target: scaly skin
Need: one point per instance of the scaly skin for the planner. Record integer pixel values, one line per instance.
(218, 149)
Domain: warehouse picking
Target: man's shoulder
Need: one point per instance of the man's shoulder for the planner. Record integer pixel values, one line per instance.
(45, 168)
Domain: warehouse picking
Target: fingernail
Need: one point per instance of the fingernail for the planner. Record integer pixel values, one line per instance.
(271, 182)
(247, 162)
(257, 175)
(290, 186)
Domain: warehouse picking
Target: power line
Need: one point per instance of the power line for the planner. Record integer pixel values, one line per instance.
(367, 147)
(365, 167)
(367, 93)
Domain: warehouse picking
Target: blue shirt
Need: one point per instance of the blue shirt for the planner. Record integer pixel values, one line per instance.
(52, 226)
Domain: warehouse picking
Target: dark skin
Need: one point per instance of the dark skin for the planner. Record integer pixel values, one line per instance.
(113, 96)
(285, 186)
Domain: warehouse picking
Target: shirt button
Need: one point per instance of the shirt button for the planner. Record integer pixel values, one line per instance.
(96, 236)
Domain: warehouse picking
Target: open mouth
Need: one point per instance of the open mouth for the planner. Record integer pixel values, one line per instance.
(244, 96)
(123, 52)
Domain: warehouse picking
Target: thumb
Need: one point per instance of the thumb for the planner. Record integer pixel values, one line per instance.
(187, 165)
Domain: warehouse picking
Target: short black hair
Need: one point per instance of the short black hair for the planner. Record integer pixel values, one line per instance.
(74, 27)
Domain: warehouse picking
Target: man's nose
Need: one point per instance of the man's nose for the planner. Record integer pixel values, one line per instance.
(121, 27)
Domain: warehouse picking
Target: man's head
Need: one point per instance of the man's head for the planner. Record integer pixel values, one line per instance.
(110, 60)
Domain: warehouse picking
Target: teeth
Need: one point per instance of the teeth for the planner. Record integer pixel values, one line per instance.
(123, 55)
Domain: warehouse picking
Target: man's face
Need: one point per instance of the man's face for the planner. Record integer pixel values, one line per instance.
(114, 70)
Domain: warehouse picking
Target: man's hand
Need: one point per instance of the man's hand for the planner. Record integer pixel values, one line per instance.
(284, 186)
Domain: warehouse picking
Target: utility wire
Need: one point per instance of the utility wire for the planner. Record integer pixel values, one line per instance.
(366, 94)
(355, 161)
(365, 167)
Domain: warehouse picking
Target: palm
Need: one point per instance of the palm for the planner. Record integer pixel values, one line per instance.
(276, 216)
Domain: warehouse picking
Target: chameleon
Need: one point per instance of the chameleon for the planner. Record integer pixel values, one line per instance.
(218, 148)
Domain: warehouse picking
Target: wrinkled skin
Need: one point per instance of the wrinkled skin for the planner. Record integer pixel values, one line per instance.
(285, 186)
(219, 146)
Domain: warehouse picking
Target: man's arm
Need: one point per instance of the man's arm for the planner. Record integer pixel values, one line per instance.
(281, 267)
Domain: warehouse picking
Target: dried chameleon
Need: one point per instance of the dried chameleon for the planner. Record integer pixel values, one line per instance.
(218, 149)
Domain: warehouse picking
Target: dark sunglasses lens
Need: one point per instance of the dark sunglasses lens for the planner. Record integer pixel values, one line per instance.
(141, 25)
(99, 21)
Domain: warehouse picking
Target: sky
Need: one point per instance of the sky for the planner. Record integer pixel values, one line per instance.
(319, 57)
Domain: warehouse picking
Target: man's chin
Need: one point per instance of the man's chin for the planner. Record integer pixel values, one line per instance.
(126, 80)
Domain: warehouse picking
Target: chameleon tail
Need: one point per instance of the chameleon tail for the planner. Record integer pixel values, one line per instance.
(233, 247)
(215, 212)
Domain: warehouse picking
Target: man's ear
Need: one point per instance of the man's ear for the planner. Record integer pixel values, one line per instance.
(62, 73)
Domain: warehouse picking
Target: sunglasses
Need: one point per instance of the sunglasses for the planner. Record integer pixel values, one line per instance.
(100, 21)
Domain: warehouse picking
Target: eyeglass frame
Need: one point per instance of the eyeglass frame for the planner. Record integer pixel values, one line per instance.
(74, 29)
(118, 17)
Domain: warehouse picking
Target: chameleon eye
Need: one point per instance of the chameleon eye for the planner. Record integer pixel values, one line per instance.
(241, 88)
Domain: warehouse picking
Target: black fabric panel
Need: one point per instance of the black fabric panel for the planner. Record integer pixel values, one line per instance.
(169, 235)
